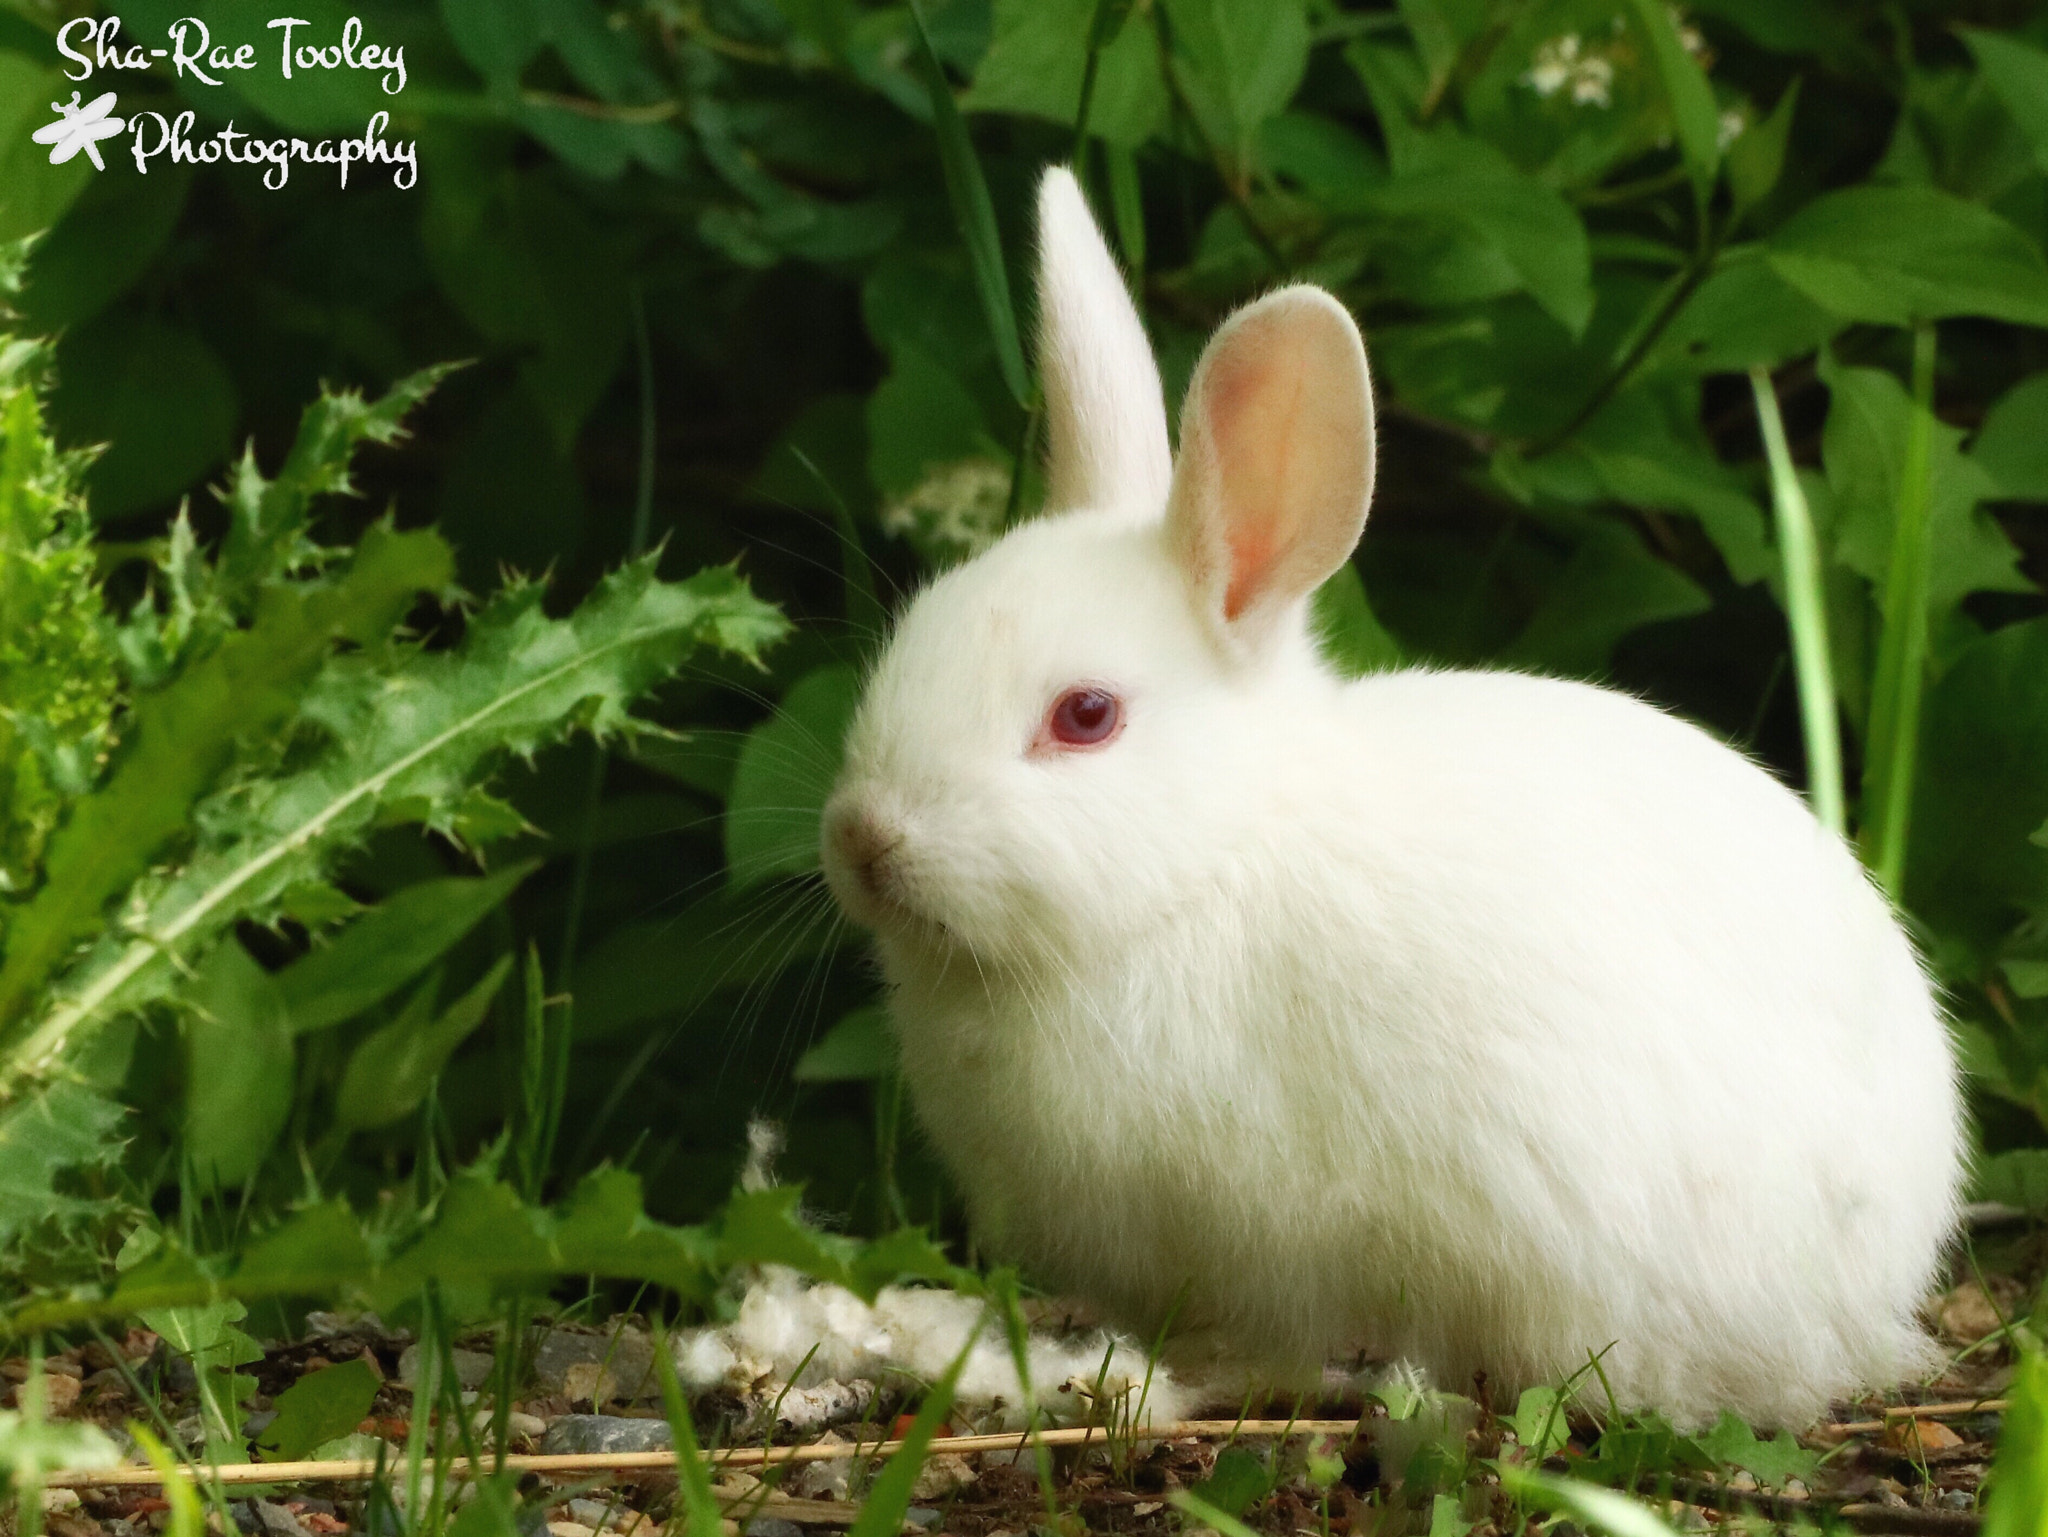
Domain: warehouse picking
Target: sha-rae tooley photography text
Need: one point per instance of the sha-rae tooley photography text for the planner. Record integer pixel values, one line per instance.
(92, 45)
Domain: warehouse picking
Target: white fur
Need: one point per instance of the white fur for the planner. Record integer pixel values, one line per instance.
(1481, 1019)
(914, 1334)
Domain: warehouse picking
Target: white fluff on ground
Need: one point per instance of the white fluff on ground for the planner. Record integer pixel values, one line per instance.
(913, 1334)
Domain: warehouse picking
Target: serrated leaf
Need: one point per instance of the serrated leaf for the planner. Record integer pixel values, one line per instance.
(1771, 1462)
(318, 1408)
(390, 945)
(184, 735)
(268, 518)
(421, 733)
(65, 1127)
(1539, 1422)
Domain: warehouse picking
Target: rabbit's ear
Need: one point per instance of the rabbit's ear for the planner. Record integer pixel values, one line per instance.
(1105, 415)
(1276, 458)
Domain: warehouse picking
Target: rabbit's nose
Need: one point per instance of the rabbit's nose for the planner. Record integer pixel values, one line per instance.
(863, 841)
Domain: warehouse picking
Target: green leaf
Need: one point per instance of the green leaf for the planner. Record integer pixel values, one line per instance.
(318, 1408)
(67, 1126)
(184, 735)
(1353, 639)
(1609, 587)
(2015, 1178)
(1239, 63)
(1771, 1462)
(1539, 1422)
(1450, 178)
(205, 1334)
(1035, 60)
(33, 1448)
(391, 1072)
(974, 214)
(2012, 445)
(1693, 112)
(857, 1049)
(1745, 315)
(238, 1067)
(1863, 446)
(1757, 157)
(414, 740)
(2018, 73)
(267, 519)
(785, 773)
(2016, 1504)
(1983, 789)
(33, 192)
(1202, 1514)
(1894, 255)
(1240, 1479)
(390, 945)
(497, 38)
(154, 391)
(107, 241)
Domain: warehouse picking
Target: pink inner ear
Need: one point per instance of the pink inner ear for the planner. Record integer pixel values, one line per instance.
(1254, 411)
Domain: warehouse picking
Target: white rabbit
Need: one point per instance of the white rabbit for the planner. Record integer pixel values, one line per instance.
(1482, 1020)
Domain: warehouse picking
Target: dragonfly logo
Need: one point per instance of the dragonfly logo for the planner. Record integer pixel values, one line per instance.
(80, 128)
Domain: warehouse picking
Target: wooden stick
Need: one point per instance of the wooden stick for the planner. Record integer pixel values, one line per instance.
(1918, 1412)
(356, 1469)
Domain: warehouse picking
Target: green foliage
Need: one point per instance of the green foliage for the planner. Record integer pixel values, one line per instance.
(750, 271)
(2017, 1503)
(318, 1408)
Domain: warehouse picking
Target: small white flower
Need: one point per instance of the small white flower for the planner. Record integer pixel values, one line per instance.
(954, 512)
(1731, 126)
(1565, 64)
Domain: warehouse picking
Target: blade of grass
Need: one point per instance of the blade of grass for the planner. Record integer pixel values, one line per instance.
(975, 213)
(701, 1515)
(1208, 1515)
(1003, 1287)
(1901, 681)
(1586, 1504)
(187, 1518)
(1127, 207)
(1806, 613)
(889, 1495)
(864, 611)
(1108, 20)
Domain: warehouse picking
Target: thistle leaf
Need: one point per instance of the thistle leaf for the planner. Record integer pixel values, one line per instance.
(412, 740)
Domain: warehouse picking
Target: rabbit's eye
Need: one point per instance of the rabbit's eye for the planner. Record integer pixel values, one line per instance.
(1084, 717)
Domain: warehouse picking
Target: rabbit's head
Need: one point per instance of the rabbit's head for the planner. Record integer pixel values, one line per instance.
(1064, 732)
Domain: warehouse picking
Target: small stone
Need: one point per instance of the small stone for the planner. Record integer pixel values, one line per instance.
(806, 1410)
(625, 1353)
(472, 1367)
(604, 1433)
(60, 1393)
(940, 1476)
(772, 1526)
(58, 1501)
(734, 1484)
(921, 1516)
(243, 1514)
(277, 1521)
(569, 1529)
(597, 1514)
(589, 1382)
(1969, 1312)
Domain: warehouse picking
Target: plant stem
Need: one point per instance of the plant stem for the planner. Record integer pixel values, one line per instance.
(1695, 273)
(1895, 696)
(1806, 613)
